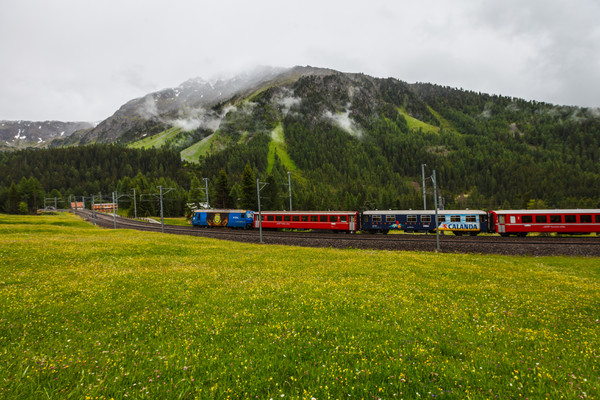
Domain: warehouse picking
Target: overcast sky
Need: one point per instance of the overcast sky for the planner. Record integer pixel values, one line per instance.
(80, 60)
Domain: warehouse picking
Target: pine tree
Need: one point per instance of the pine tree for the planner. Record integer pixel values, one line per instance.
(270, 195)
(12, 202)
(223, 198)
(195, 194)
(249, 200)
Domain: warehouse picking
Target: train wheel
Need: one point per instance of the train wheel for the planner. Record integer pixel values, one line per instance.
(457, 233)
(385, 231)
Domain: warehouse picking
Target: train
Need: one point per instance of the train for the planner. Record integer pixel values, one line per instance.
(458, 222)
(237, 219)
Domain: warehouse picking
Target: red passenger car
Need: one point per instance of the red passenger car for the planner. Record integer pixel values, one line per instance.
(521, 222)
(338, 221)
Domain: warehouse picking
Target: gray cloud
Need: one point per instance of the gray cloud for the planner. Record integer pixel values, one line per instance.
(74, 60)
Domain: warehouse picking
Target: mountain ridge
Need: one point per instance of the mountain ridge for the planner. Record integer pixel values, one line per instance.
(351, 139)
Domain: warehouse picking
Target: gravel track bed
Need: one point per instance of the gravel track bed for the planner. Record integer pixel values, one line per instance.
(531, 246)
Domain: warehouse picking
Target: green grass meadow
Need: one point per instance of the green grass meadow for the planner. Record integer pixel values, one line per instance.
(88, 313)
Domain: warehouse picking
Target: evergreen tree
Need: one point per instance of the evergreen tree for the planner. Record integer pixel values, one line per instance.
(195, 195)
(12, 202)
(224, 200)
(23, 209)
(249, 198)
(235, 195)
(271, 195)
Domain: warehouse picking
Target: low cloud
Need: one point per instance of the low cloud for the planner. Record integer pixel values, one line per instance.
(286, 103)
(188, 119)
(191, 120)
(344, 122)
(148, 109)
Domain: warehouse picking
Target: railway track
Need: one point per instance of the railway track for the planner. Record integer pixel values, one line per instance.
(533, 246)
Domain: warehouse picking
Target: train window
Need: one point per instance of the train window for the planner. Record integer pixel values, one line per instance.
(333, 218)
(598, 219)
(286, 218)
(390, 218)
(295, 218)
(322, 218)
(425, 218)
(570, 219)
(513, 219)
(411, 218)
(541, 219)
(279, 218)
(376, 218)
(455, 218)
(305, 218)
(314, 218)
(556, 219)
(471, 218)
(500, 219)
(585, 219)
(526, 219)
(262, 217)
(270, 218)
(344, 218)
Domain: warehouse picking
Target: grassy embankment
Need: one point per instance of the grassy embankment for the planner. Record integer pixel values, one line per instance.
(92, 313)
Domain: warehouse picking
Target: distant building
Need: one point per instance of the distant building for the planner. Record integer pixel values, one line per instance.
(106, 207)
(77, 204)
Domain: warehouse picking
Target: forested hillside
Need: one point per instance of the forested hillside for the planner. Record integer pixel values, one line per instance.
(488, 151)
(350, 141)
(30, 176)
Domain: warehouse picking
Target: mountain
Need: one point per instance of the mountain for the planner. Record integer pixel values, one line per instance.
(194, 104)
(16, 135)
(353, 141)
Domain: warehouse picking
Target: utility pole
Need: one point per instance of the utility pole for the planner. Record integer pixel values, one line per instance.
(423, 175)
(206, 190)
(258, 188)
(290, 188)
(162, 218)
(437, 230)
(134, 205)
(114, 210)
(93, 210)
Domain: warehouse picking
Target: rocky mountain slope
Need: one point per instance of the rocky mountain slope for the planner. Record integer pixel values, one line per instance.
(16, 135)
(194, 104)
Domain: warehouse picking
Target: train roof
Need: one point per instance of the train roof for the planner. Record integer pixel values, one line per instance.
(209, 210)
(424, 212)
(556, 211)
(309, 212)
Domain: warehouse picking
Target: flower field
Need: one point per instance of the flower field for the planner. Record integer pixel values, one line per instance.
(87, 313)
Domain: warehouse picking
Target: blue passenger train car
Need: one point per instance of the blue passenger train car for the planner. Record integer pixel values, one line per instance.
(242, 219)
(459, 222)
